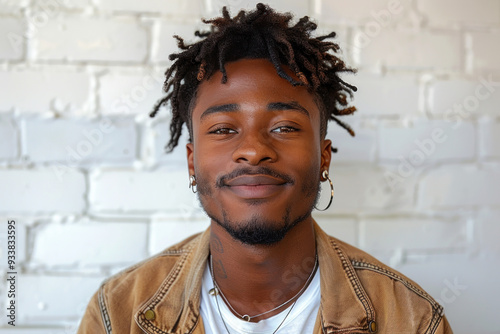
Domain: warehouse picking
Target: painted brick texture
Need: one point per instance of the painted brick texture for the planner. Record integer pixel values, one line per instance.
(84, 172)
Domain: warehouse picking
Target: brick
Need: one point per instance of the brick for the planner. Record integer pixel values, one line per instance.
(12, 39)
(47, 299)
(453, 281)
(154, 149)
(167, 232)
(403, 91)
(126, 191)
(92, 39)
(65, 92)
(488, 230)
(459, 186)
(489, 138)
(361, 148)
(378, 11)
(422, 142)
(457, 100)
(43, 10)
(110, 243)
(130, 93)
(484, 48)
(12, 7)
(345, 229)
(9, 148)
(184, 8)
(298, 8)
(369, 189)
(449, 12)
(28, 192)
(75, 142)
(166, 44)
(408, 50)
(413, 234)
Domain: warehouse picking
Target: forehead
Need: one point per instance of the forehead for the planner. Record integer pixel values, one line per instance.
(251, 82)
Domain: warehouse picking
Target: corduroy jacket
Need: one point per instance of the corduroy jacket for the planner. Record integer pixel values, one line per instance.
(359, 294)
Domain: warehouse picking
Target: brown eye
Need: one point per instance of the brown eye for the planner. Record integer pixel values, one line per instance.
(222, 131)
(284, 129)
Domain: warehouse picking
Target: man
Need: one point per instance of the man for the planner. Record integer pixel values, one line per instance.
(256, 94)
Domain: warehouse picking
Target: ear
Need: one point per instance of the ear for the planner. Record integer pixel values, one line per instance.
(326, 155)
(190, 158)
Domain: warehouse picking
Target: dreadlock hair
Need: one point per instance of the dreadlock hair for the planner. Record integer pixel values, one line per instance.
(261, 33)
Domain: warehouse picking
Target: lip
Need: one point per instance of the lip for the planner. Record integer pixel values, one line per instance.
(254, 180)
(255, 186)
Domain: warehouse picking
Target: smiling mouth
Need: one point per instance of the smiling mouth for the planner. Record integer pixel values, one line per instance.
(255, 186)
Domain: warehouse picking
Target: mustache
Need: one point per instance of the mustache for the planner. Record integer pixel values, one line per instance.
(261, 170)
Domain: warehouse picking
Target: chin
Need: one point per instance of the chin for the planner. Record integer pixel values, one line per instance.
(259, 231)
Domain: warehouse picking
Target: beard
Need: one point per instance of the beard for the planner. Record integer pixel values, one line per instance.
(257, 229)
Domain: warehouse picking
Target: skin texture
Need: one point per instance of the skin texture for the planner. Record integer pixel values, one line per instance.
(257, 155)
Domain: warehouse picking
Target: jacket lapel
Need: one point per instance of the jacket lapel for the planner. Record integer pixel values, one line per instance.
(345, 306)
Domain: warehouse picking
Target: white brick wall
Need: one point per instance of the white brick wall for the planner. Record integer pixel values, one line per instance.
(452, 99)
(165, 41)
(413, 51)
(490, 137)
(117, 191)
(423, 141)
(40, 305)
(8, 138)
(79, 141)
(484, 48)
(361, 148)
(32, 192)
(407, 233)
(161, 235)
(95, 243)
(57, 91)
(92, 39)
(91, 198)
(12, 6)
(447, 12)
(12, 41)
(130, 93)
(459, 186)
(386, 95)
(184, 8)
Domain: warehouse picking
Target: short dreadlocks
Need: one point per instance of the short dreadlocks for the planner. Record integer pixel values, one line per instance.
(261, 33)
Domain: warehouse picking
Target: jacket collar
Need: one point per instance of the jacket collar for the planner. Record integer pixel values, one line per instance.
(345, 306)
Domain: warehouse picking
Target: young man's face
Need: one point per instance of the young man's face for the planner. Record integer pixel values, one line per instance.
(257, 152)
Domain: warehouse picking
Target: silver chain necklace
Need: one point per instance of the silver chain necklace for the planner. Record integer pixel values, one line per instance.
(216, 290)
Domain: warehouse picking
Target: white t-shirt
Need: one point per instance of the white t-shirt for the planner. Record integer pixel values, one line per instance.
(301, 319)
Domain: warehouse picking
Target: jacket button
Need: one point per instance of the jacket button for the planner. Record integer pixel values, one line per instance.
(150, 315)
(372, 327)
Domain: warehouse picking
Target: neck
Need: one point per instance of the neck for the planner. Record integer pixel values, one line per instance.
(258, 278)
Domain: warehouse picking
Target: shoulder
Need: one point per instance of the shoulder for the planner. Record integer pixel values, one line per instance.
(393, 295)
(121, 295)
(367, 266)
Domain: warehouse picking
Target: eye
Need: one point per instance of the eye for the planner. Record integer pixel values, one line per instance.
(285, 129)
(222, 131)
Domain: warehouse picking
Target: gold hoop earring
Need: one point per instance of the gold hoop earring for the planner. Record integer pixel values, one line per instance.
(327, 177)
(192, 184)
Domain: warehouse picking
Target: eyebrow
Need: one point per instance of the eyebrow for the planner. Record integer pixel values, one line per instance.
(220, 108)
(293, 105)
(231, 107)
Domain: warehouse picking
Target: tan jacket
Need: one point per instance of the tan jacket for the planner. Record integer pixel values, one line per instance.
(358, 294)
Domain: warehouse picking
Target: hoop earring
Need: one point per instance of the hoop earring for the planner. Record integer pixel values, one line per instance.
(327, 177)
(192, 184)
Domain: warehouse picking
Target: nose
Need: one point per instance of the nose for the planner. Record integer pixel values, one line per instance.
(254, 148)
